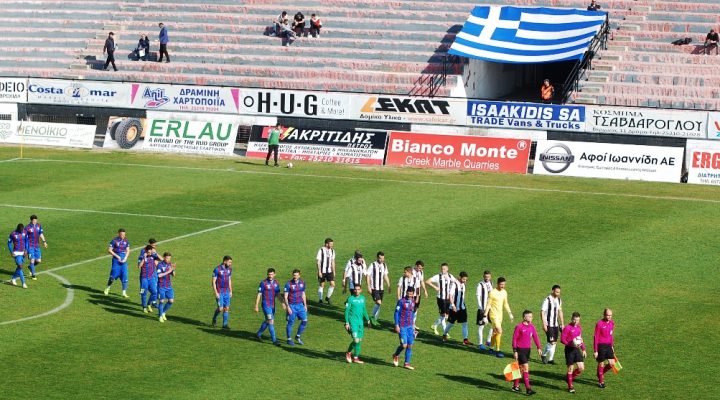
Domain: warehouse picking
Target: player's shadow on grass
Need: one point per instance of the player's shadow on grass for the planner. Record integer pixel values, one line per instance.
(83, 288)
(560, 378)
(123, 306)
(327, 312)
(468, 380)
(231, 333)
(309, 353)
(338, 355)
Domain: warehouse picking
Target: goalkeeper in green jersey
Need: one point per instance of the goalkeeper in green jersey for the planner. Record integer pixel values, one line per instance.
(355, 313)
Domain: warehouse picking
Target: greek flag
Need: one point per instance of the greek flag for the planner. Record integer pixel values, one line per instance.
(520, 35)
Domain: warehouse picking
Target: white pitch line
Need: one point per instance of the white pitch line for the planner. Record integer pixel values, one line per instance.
(71, 292)
(69, 297)
(114, 213)
(355, 178)
(10, 160)
(139, 248)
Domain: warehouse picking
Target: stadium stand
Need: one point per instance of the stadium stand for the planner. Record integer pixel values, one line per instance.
(378, 46)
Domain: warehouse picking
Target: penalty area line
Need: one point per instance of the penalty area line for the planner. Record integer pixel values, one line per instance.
(139, 248)
(114, 213)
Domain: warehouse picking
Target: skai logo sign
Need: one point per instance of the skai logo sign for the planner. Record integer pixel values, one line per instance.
(717, 128)
(406, 105)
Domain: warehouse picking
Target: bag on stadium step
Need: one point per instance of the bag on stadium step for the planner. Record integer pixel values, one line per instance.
(512, 371)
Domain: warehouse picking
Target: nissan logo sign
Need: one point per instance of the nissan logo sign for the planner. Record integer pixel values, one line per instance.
(556, 158)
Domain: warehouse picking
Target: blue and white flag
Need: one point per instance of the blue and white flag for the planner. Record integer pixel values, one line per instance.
(527, 35)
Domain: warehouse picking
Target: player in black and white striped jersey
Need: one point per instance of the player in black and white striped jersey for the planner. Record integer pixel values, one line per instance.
(355, 271)
(441, 284)
(377, 277)
(326, 269)
(458, 308)
(552, 313)
(482, 292)
(419, 274)
(406, 280)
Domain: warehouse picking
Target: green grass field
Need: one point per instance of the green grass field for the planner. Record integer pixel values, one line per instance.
(647, 250)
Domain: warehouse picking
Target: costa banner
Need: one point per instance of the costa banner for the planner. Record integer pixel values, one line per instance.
(13, 90)
(173, 133)
(713, 126)
(78, 93)
(419, 110)
(210, 99)
(604, 160)
(703, 162)
(307, 144)
(423, 150)
(47, 134)
(647, 122)
(294, 103)
(495, 114)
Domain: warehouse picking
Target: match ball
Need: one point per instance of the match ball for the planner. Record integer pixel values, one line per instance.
(289, 165)
(577, 341)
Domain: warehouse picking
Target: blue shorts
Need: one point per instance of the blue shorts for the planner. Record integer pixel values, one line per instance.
(19, 260)
(269, 313)
(298, 311)
(166, 293)
(224, 300)
(407, 335)
(34, 253)
(119, 269)
(148, 285)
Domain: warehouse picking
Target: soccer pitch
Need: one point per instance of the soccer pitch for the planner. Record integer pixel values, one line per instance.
(646, 250)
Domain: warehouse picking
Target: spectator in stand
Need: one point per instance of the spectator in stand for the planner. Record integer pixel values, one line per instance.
(315, 25)
(143, 48)
(277, 24)
(164, 39)
(110, 48)
(298, 25)
(287, 34)
(711, 40)
(547, 91)
(594, 6)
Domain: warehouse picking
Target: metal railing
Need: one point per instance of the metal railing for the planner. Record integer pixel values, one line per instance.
(429, 84)
(582, 66)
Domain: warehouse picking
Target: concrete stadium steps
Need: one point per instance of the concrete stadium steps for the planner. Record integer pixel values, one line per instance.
(652, 102)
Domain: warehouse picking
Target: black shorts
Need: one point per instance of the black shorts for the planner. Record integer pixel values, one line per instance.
(443, 306)
(573, 355)
(378, 295)
(327, 277)
(605, 352)
(417, 301)
(479, 317)
(523, 356)
(459, 316)
(552, 334)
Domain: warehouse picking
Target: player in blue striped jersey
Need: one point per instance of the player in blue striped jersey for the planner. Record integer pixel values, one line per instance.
(148, 278)
(296, 307)
(151, 242)
(17, 245)
(119, 249)
(222, 285)
(166, 293)
(35, 234)
(405, 326)
(268, 290)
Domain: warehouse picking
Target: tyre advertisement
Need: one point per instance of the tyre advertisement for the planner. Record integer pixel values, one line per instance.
(605, 160)
(470, 153)
(358, 146)
(174, 133)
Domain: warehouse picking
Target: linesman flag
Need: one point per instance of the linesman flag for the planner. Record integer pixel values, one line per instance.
(512, 371)
(527, 35)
